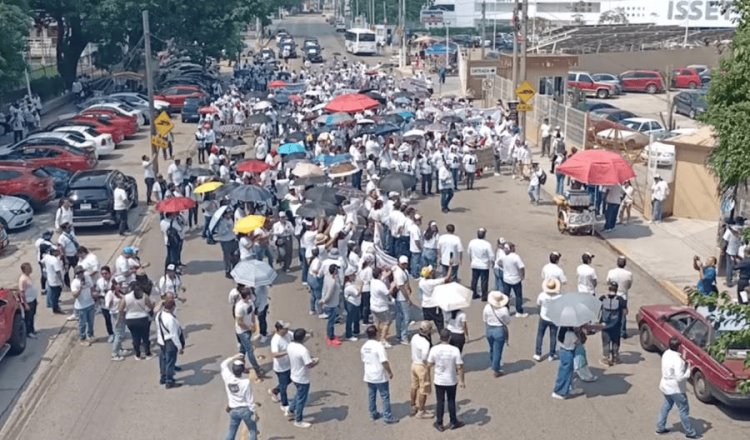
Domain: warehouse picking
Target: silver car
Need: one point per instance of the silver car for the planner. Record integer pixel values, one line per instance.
(609, 78)
(15, 212)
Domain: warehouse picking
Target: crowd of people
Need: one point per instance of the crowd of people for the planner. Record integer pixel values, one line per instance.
(23, 117)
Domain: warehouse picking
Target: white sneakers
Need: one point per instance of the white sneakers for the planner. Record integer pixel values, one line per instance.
(521, 315)
(537, 358)
(557, 396)
(353, 339)
(302, 424)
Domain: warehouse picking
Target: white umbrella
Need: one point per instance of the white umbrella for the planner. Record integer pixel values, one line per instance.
(452, 296)
(253, 273)
(262, 105)
(365, 121)
(320, 106)
(414, 133)
(574, 310)
(216, 217)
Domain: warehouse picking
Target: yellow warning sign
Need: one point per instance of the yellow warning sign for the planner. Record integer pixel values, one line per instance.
(523, 107)
(525, 92)
(163, 124)
(159, 142)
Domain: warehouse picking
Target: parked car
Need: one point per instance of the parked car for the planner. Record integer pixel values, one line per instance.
(122, 109)
(608, 78)
(36, 186)
(265, 54)
(314, 53)
(340, 26)
(37, 156)
(12, 324)
(584, 82)
(643, 125)
(690, 104)
(177, 94)
(60, 177)
(648, 81)
(612, 114)
(57, 138)
(685, 79)
(622, 137)
(128, 126)
(697, 329)
(140, 101)
(15, 213)
(704, 72)
(102, 141)
(190, 109)
(92, 195)
(310, 41)
(662, 153)
(99, 125)
(287, 46)
(593, 105)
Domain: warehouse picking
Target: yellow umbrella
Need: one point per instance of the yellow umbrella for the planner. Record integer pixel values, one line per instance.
(248, 224)
(207, 187)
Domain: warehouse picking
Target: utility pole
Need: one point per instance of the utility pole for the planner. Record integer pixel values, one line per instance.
(150, 87)
(402, 25)
(514, 74)
(523, 50)
(484, 25)
(385, 14)
(494, 34)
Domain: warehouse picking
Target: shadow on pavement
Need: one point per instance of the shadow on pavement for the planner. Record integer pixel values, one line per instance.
(630, 357)
(518, 366)
(196, 267)
(629, 231)
(318, 398)
(476, 361)
(200, 376)
(193, 328)
(701, 426)
(608, 384)
(330, 413)
(475, 416)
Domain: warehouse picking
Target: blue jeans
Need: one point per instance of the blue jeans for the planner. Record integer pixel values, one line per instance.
(333, 313)
(304, 267)
(167, 361)
(86, 322)
(316, 292)
(119, 335)
(496, 339)
(564, 373)
(534, 193)
(415, 263)
(517, 293)
(610, 215)
(679, 399)
(385, 396)
(238, 415)
(445, 198)
(426, 184)
(729, 269)
(263, 251)
(402, 246)
(206, 221)
(429, 257)
(357, 180)
(285, 379)
(498, 279)
(560, 184)
(540, 329)
(402, 320)
(352, 320)
(297, 405)
(454, 173)
(656, 213)
(246, 348)
(53, 297)
(454, 272)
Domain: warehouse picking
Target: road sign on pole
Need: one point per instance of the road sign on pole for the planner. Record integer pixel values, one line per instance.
(525, 92)
(523, 107)
(159, 142)
(163, 124)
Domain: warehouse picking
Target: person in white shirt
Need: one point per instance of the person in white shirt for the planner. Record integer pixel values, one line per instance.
(149, 176)
(301, 363)
(586, 274)
(674, 374)
(624, 280)
(377, 374)
(482, 257)
(450, 250)
(550, 292)
(381, 305)
(546, 136)
(659, 193)
(240, 399)
(121, 205)
(445, 186)
(733, 238)
(470, 167)
(281, 366)
(283, 233)
(171, 341)
(448, 365)
(535, 183)
(403, 298)
(176, 173)
(53, 268)
(552, 270)
(352, 304)
(514, 272)
(420, 371)
(415, 245)
(498, 264)
(244, 326)
(427, 284)
(82, 288)
(496, 321)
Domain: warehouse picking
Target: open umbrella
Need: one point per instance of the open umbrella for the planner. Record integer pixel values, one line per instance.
(436, 127)
(290, 148)
(230, 142)
(258, 118)
(316, 209)
(402, 100)
(452, 296)
(351, 103)
(200, 172)
(276, 84)
(175, 204)
(294, 156)
(450, 119)
(253, 166)
(307, 169)
(226, 189)
(231, 129)
(208, 109)
(421, 123)
(296, 136)
(207, 187)
(393, 118)
(597, 167)
(349, 192)
(311, 180)
(263, 105)
(327, 159)
(334, 119)
(376, 96)
(574, 309)
(217, 216)
(398, 182)
(248, 224)
(414, 134)
(324, 194)
(343, 169)
(250, 193)
(253, 273)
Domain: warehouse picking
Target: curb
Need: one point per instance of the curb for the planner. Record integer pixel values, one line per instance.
(32, 392)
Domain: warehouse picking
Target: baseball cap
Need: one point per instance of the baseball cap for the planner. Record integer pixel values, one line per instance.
(281, 324)
(403, 259)
(171, 267)
(588, 254)
(393, 194)
(129, 250)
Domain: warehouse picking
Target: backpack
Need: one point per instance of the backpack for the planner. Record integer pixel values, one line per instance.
(543, 178)
(173, 236)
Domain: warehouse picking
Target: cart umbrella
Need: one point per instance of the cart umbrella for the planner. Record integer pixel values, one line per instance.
(351, 103)
(597, 167)
(175, 204)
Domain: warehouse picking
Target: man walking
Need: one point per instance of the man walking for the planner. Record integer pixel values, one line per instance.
(224, 234)
(612, 313)
(624, 280)
(674, 373)
(446, 360)
(451, 251)
(481, 257)
(240, 400)
(244, 325)
(514, 272)
(377, 374)
(445, 185)
(301, 363)
(281, 366)
(546, 135)
(171, 341)
(420, 371)
(403, 298)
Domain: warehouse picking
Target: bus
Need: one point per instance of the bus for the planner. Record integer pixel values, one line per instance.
(360, 41)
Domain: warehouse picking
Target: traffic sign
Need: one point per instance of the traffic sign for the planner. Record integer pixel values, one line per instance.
(523, 107)
(487, 84)
(525, 92)
(163, 124)
(159, 142)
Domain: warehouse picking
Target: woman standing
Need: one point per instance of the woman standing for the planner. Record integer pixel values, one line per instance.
(455, 321)
(430, 245)
(112, 300)
(627, 202)
(550, 292)
(364, 276)
(353, 303)
(568, 339)
(29, 295)
(64, 215)
(496, 319)
(136, 308)
(315, 282)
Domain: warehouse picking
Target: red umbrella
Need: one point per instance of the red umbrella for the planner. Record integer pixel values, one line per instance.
(597, 167)
(295, 98)
(253, 166)
(351, 103)
(175, 204)
(208, 109)
(276, 84)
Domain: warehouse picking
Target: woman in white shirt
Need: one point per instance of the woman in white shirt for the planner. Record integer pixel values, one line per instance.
(568, 339)
(136, 308)
(352, 303)
(455, 321)
(364, 277)
(64, 214)
(315, 282)
(430, 245)
(496, 319)
(28, 295)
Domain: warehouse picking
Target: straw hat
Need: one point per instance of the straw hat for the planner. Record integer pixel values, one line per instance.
(497, 299)
(425, 327)
(320, 239)
(552, 285)
(426, 271)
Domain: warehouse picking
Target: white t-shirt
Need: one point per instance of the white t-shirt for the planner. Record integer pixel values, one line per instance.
(373, 355)
(449, 244)
(481, 254)
(543, 301)
(552, 271)
(90, 264)
(120, 199)
(176, 172)
(733, 242)
(427, 287)
(380, 299)
(245, 311)
(401, 278)
(445, 358)
(586, 278)
(239, 391)
(512, 265)
(623, 278)
(246, 248)
(420, 349)
(415, 238)
(351, 295)
(279, 344)
(495, 317)
(455, 325)
(85, 298)
(299, 358)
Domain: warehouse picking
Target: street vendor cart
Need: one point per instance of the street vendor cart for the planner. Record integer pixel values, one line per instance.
(575, 214)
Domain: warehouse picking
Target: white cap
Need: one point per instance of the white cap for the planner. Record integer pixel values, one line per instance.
(403, 259)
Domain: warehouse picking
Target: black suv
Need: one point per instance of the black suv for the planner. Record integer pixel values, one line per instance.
(92, 195)
(190, 111)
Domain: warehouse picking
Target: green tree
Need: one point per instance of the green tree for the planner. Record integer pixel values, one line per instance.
(14, 28)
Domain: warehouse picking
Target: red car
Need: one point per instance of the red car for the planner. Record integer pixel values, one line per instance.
(685, 79)
(70, 159)
(648, 81)
(127, 124)
(12, 324)
(176, 95)
(696, 329)
(100, 126)
(36, 186)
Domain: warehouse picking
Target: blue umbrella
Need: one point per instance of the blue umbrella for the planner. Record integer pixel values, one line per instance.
(406, 115)
(384, 129)
(402, 100)
(281, 99)
(440, 49)
(291, 148)
(327, 160)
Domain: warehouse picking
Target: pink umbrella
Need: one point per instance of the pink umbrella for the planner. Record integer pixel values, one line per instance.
(597, 167)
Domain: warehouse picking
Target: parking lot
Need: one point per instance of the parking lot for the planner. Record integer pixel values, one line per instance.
(650, 106)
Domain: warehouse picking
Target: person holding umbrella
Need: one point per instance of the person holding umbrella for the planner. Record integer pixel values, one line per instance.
(225, 236)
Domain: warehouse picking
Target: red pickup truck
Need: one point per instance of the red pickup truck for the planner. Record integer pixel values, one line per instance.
(12, 324)
(584, 82)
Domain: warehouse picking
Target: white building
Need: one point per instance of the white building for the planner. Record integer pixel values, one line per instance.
(691, 13)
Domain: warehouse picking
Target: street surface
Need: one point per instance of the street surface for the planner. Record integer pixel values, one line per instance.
(93, 398)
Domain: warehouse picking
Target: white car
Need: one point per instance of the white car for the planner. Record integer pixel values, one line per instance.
(628, 138)
(124, 108)
(140, 101)
(102, 141)
(664, 153)
(55, 137)
(15, 212)
(643, 125)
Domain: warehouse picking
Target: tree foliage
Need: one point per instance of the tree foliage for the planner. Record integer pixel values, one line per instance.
(14, 27)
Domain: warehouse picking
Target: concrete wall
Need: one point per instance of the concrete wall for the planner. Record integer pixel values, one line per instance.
(650, 60)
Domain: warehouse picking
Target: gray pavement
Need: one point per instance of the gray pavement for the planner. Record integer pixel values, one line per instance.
(92, 397)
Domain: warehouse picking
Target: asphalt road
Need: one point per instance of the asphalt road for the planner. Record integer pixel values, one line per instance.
(94, 398)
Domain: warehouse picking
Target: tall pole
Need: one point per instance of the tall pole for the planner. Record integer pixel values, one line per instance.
(402, 24)
(150, 86)
(523, 49)
(447, 45)
(385, 14)
(494, 34)
(514, 74)
(484, 25)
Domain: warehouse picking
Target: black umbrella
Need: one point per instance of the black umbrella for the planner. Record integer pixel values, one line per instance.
(377, 96)
(293, 156)
(420, 123)
(312, 180)
(324, 194)
(230, 143)
(258, 118)
(393, 118)
(450, 119)
(316, 209)
(200, 172)
(402, 95)
(250, 193)
(296, 136)
(225, 189)
(398, 182)
(349, 192)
